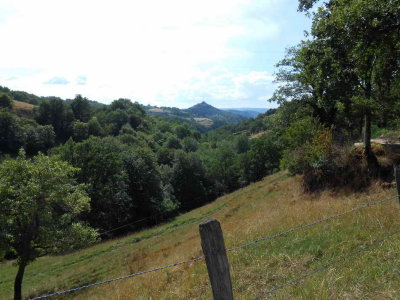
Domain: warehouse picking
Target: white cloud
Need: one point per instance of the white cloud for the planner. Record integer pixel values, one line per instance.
(222, 88)
(148, 50)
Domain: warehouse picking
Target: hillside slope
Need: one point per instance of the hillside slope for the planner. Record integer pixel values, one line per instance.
(272, 205)
(204, 110)
(23, 109)
(201, 116)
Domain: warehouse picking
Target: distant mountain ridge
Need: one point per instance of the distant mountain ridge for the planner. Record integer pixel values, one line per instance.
(246, 112)
(203, 114)
(205, 110)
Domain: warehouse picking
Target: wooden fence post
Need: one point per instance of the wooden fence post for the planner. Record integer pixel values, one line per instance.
(212, 242)
(397, 177)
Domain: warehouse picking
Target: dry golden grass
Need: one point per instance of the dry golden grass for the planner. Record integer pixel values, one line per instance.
(206, 122)
(257, 135)
(264, 208)
(23, 109)
(22, 105)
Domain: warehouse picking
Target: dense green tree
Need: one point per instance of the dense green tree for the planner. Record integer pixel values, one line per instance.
(38, 138)
(40, 203)
(95, 128)
(101, 167)
(81, 108)
(11, 137)
(121, 104)
(190, 144)
(5, 101)
(144, 183)
(165, 156)
(363, 38)
(182, 131)
(124, 182)
(188, 179)
(173, 143)
(117, 119)
(242, 144)
(222, 167)
(262, 159)
(55, 112)
(80, 131)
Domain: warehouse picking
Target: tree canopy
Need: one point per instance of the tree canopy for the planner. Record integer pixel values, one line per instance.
(40, 203)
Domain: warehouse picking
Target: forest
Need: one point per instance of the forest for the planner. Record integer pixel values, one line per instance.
(106, 170)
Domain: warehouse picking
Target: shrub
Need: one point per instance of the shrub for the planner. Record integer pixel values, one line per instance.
(325, 165)
(5, 101)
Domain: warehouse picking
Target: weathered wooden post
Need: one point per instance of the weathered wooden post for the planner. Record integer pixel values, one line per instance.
(212, 242)
(397, 177)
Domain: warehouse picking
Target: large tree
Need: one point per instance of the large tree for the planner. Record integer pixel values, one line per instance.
(349, 66)
(365, 33)
(5, 101)
(81, 108)
(40, 202)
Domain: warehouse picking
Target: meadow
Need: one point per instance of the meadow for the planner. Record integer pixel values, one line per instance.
(272, 205)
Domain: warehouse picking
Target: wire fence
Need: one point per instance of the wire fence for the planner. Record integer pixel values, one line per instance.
(324, 267)
(120, 278)
(310, 224)
(270, 237)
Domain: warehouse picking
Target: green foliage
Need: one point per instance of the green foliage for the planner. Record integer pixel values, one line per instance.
(80, 131)
(190, 144)
(5, 101)
(56, 113)
(262, 159)
(182, 131)
(40, 202)
(188, 179)
(165, 156)
(38, 138)
(300, 132)
(222, 167)
(11, 138)
(81, 108)
(124, 182)
(242, 144)
(173, 143)
(95, 128)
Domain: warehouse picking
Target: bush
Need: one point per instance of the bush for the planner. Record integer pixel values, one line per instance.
(324, 165)
(5, 101)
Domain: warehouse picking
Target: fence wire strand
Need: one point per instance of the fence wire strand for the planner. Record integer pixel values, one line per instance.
(310, 224)
(119, 278)
(228, 250)
(324, 267)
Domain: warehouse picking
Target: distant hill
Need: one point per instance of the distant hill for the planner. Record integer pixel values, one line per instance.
(202, 115)
(205, 110)
(246, 112)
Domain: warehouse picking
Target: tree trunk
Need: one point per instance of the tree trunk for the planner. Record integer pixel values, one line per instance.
(372, 162)
(18, 281)
(367, 133)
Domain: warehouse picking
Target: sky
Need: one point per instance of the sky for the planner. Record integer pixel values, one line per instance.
(165, 53)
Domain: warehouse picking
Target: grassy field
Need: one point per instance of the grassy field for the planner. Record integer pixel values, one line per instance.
(267, 207)
(206, 122)
(23, 109)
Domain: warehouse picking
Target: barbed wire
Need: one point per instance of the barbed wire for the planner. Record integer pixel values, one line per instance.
(228, 250)
(270, 237)
(324, 267)
(120, 278)
(211, 212)
(134, 222)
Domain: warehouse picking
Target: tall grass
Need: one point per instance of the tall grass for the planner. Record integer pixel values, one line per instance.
(267, 207)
